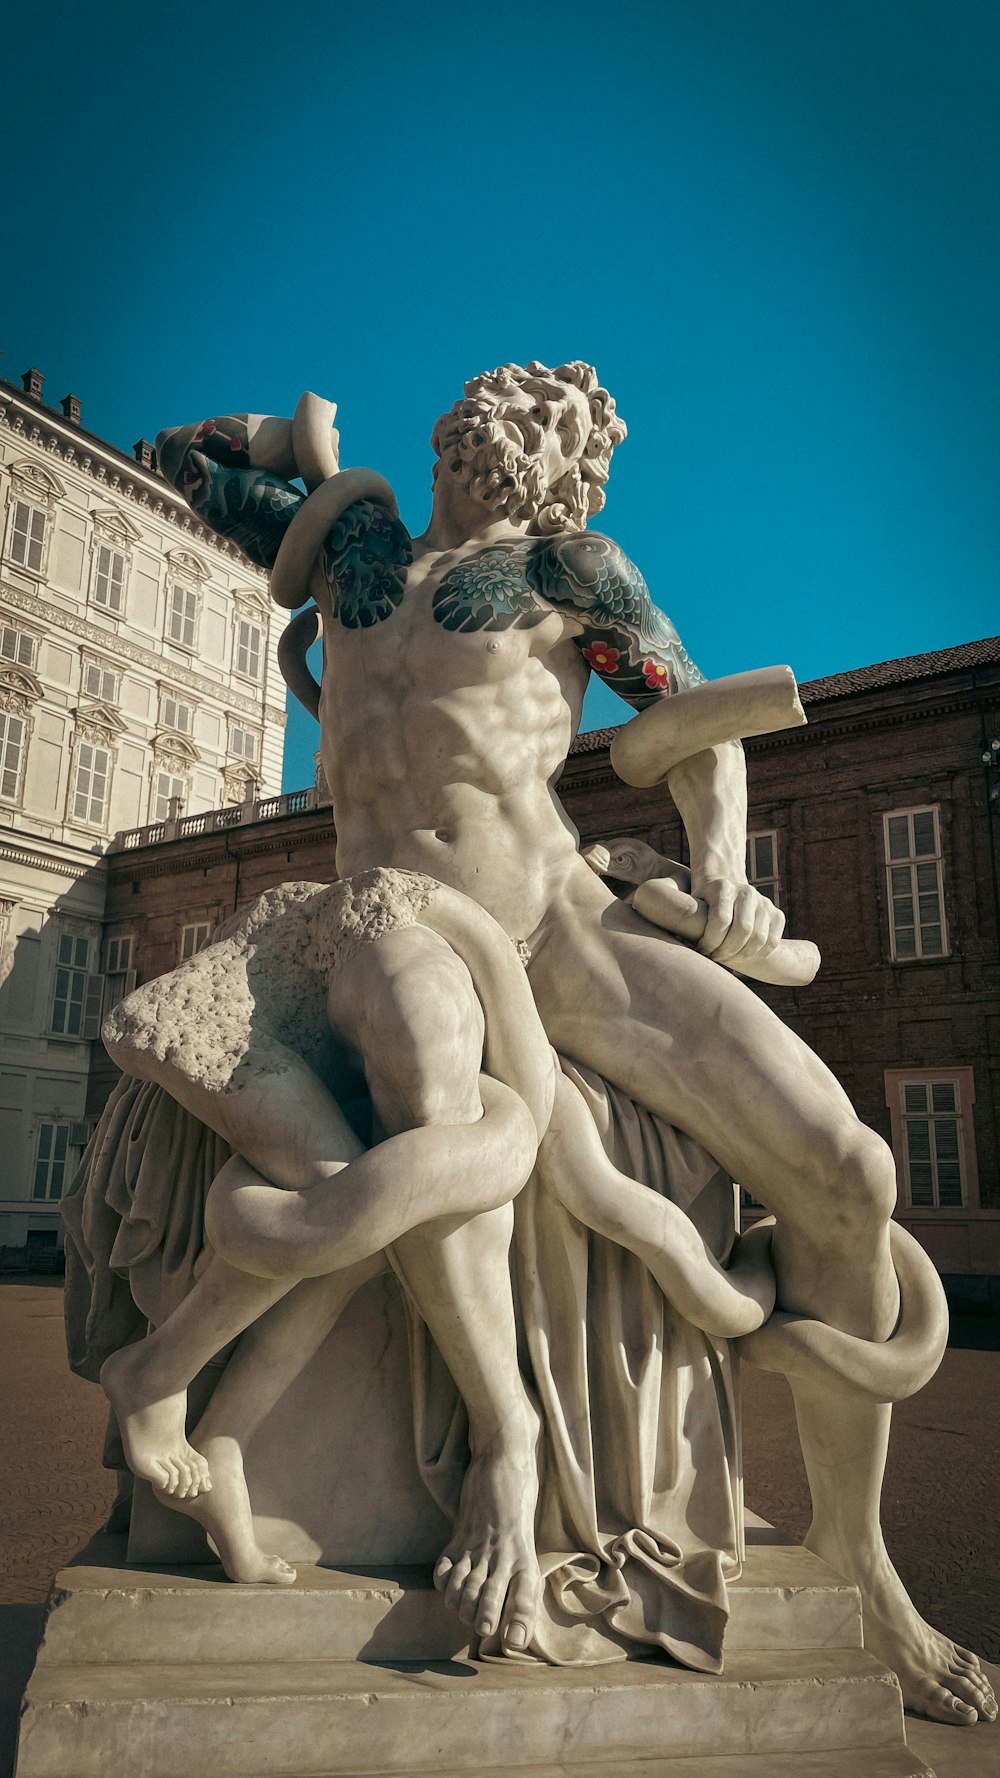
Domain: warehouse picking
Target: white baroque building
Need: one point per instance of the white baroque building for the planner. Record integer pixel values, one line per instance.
(139, 683)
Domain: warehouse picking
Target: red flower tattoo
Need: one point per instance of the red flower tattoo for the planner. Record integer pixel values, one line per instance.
(205, 430)
(601, 658)
(656, 675)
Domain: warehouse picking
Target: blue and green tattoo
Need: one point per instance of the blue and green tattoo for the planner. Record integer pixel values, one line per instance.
(630, 644)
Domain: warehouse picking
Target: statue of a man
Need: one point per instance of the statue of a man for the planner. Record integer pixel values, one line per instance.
(455, 665)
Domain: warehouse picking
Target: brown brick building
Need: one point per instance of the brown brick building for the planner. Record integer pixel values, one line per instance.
(878, 827)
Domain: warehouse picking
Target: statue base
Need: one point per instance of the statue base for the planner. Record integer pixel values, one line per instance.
(165, 1673)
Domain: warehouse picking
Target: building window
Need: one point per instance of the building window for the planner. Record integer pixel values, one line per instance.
(175, 714)
(99, 682)
(248, 647)
(17, 647)
(194, 937)
(51, 1156)
(76, 994)
(93, 779)
(12, 750)
(913, 876)
(762, 864)
(244, 744)
(119, 975)
(182, 616)
(26, 544)
(933, 1137)
(110, 566)
(166, 787)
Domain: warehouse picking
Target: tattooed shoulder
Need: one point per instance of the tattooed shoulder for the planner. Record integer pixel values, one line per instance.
(366, 555)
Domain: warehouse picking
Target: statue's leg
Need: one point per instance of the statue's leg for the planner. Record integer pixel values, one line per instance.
(456, 1269)
(301, 1198)
(690, 1041)
(270, 1355)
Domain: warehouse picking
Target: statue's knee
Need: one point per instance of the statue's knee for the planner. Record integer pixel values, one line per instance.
(863, 1187)
(422, 1043)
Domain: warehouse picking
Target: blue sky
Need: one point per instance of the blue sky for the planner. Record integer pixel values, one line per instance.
(771, 224)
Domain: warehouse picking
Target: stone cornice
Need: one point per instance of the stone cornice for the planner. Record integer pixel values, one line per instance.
(31, 420)
(119, 646)
(37, 855)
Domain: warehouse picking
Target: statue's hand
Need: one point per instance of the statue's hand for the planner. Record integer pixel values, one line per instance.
(743, 926)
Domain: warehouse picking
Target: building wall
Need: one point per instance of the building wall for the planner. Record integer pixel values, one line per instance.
(128, 674)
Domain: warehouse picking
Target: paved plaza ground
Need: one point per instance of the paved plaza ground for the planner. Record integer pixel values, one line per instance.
(941, 1504)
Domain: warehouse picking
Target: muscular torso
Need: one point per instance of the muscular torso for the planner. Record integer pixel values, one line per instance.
(451, 692)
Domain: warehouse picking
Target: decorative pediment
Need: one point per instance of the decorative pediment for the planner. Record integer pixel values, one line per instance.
(168, 745)
(36, 483)
(250, 603)
(19, 689)
(108, 522)
(187, 565)
(240, 783)
(99, 722)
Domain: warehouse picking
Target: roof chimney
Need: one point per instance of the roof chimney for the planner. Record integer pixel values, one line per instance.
(31, 383)
(70, 405)
(144, 453)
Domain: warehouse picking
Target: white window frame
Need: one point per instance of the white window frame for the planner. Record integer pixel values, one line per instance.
(34, 535)
(21, 649)
(768, 882)
(172, 708)
(108, 589)
(77, 992)
(237, 747)
(252, 653)
(13, 755)
(912, 863)
(54, 1168)
(183, 615)
(163, 798)
(193, 937)
(119, 970)
(85, 770)
(109, 679)
(961, 1079)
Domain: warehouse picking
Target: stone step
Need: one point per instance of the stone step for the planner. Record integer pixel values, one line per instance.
(786, 1599)
(844, 1762)
(328, 1719)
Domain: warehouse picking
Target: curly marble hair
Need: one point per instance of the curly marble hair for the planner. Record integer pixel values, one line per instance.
(502, 472)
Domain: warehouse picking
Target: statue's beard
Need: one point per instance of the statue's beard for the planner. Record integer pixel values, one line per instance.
(490, 465)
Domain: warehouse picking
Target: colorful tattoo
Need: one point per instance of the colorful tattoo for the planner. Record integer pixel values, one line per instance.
(490, 591)
(366, 555)
(210, 465)
(627, 641)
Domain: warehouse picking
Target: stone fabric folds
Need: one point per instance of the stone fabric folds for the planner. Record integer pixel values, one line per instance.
(134, 1221)
(641, 1511)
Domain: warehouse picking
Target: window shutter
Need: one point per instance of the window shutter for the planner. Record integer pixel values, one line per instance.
(92, 1008)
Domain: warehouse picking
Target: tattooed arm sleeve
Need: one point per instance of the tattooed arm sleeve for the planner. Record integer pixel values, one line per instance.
(629, 644)
(210, 464)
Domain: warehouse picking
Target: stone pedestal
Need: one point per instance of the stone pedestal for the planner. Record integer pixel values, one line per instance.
(177, 1674)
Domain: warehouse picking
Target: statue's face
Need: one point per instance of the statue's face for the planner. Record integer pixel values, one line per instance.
(551, 429)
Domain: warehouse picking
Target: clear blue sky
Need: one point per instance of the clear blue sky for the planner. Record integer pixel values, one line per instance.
(773, 225)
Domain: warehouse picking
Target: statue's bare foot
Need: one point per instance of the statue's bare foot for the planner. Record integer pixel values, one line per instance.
(489, 1571)
(937, 1678)
(226, 1515)
(153, 1426)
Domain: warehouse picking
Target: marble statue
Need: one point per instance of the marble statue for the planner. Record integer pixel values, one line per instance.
(472, 1060)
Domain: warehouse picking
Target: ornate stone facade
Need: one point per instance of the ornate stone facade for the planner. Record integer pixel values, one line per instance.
(138, 680)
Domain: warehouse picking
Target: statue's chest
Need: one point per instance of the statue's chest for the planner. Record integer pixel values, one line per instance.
(479, 620)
